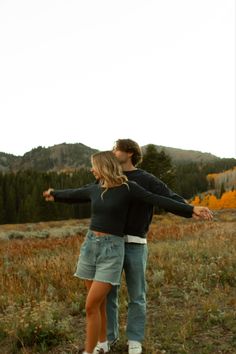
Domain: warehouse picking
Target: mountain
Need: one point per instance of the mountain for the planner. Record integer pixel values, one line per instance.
(74, 156)
(182, 156)
(6, 160)
(54, 158)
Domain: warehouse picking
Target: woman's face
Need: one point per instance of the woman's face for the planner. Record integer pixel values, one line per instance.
(95, 171)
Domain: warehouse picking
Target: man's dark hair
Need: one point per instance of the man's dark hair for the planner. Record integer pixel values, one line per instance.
(128, 145)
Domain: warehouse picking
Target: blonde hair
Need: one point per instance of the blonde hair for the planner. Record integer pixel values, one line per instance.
(109, 169)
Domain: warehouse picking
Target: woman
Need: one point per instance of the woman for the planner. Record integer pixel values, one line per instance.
(101, 256)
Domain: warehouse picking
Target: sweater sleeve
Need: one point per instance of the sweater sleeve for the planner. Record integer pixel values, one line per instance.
(168, 204)
(157, 186)
(82, 194)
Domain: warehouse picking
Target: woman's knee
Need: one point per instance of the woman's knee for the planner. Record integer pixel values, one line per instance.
(91, 307)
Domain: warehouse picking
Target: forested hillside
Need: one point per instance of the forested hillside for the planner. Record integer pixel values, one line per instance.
(21, 196)
(73, 156)
(7, 160)
(185, 156)
(54, 158)
(222, 181)
(193, 178)
(21, 189)
(221, 193)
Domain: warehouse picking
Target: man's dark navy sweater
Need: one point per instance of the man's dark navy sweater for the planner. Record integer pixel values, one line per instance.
(140, 214)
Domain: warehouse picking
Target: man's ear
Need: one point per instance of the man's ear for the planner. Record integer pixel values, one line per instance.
(130, 154)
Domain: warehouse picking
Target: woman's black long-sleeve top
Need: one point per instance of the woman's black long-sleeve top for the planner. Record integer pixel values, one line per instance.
(110, 209)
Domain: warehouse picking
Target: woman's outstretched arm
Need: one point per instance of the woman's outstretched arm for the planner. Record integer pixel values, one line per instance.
(78, 195)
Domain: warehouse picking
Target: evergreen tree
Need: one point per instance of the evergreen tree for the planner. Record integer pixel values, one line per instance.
(159, 164)
(21, 197)
(2, 208)
(9, 199)
(191, 180)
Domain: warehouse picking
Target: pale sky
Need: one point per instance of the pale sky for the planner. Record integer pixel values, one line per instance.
(93, 71)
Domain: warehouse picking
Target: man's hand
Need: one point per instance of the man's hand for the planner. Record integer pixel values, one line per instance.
(48, 197)
(204, 213)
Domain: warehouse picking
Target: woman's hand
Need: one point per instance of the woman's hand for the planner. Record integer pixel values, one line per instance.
(200, 212)
(47, 195)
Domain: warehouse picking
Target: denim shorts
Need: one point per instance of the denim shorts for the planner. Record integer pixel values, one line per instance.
(101, 258)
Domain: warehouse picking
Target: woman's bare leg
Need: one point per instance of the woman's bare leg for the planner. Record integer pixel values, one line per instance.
(95, 320)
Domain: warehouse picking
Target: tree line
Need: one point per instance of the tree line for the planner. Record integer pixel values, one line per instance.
(188, 178)
(21, 192)
(21, 196)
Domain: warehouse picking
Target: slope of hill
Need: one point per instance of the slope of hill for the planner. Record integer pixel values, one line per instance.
(224, 180)
(6, 160)
(182, 156)
(55, 158)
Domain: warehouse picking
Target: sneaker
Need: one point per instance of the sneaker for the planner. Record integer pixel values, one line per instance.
(99, 350)
(134, 347)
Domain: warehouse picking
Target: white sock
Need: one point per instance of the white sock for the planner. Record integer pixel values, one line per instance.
(133, 342)
(103, 345)
(86, 352)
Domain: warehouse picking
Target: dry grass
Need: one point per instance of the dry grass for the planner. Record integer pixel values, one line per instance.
(191, 295)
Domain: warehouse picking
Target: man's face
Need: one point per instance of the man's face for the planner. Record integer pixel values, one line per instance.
(121, 156)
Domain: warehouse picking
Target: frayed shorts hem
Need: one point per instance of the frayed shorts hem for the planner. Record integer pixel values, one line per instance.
(94, 279)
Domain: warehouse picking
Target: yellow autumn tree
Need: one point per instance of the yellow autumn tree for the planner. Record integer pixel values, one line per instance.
(227, 200)
(213, 202)
(196, 200)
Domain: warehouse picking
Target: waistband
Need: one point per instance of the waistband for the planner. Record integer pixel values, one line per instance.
(92, 236)
(135, 239)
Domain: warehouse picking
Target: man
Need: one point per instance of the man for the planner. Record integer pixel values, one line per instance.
(128, 152)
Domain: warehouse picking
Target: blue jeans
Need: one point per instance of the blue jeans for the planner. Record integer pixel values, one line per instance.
(135, 262)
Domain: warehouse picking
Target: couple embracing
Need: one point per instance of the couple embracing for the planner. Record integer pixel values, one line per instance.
(122, 204)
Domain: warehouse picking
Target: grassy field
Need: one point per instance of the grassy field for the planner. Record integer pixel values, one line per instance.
(191, 287)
